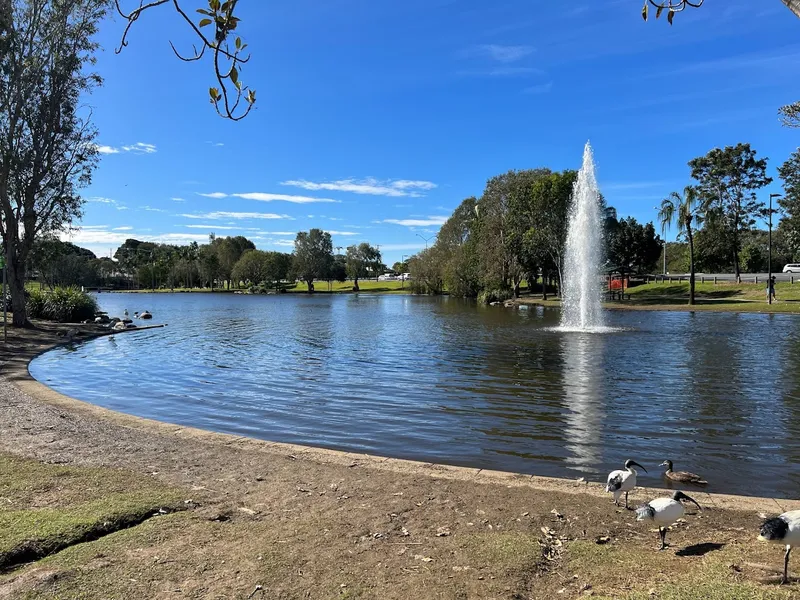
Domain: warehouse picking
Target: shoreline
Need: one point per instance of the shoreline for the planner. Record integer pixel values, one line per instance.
(335, 524)
(19, 375)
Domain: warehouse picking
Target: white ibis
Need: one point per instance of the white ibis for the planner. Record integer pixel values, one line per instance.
(623, 481)
(664, 511)
(682, 476)
(784, 529)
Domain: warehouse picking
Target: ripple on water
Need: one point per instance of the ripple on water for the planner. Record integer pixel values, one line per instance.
(444, 380)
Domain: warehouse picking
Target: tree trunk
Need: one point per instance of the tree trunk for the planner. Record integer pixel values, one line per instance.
(515, 291)
(310, 283)
(793, 5)
(355, 284)
(691, 263)
(544, 285)
(16, 284)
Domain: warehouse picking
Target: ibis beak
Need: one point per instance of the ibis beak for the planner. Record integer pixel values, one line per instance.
(692, 500)
(633, 462)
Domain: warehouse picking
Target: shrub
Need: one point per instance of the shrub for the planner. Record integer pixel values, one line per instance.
(63, 305)
(489, 296)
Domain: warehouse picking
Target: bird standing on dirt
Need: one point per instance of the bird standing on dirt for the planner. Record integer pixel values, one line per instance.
(664, 511)
(682, 476)
(784, 529)
(623, 481)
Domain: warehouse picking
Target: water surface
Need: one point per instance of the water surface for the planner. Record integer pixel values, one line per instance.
(444, 380)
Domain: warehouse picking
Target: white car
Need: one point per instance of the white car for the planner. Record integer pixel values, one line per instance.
(791, 268)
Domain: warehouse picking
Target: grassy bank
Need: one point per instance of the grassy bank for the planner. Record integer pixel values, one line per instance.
(370, 286)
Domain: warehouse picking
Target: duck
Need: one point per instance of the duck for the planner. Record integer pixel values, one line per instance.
(145, 315)
(664, 511)
(784, 529)
(620, 481)
(681, 476)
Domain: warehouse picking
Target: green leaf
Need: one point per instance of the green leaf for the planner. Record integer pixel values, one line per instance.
(659, 11)
(204, 22)
(670, 16)
(644, 11)
(203, 11)
(214, 93)
(234, 75)
(238, 43)
(213, 5)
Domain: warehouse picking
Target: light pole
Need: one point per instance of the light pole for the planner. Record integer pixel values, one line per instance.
(426, 239)
(769, 255)
(403, 274)
(663, 241)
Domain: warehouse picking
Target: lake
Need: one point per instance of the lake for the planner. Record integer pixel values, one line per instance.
(444, 380)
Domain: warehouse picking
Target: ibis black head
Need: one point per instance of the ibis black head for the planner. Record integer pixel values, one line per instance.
(773, 529)
(666, 463)
(632, 463)
(681, 497)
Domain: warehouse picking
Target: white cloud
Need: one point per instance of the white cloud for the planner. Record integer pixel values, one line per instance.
(111, 201)
(126, 228)
(340, 232)
(502, 72)
(236, 216)
(504, 54)
(86, 235)
(539, 89)
(390, 247)
(217, 144)
(106, 149)
(267, 197)
(369, 186)
(151, 209)
(137, 148)
(289, 243)
(424, 222)
(177, 199)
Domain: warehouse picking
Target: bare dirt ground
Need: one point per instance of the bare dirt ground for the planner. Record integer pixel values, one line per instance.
(272, 521)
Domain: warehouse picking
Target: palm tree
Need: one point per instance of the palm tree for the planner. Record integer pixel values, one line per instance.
(684, 210)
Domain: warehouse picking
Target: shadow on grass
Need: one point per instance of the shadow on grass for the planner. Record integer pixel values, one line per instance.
(680, 292)
(699, 549)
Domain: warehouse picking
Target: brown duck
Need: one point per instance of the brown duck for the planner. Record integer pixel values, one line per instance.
(682, 476)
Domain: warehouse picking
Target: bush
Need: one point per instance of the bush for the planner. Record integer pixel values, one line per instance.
(63, 305)
(489, 296)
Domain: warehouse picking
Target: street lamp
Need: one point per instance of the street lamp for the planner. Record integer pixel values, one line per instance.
(663, 241)
(426, 239)
(769, 277)
(403, 274)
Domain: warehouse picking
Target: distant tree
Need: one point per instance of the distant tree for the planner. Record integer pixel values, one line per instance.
(251, 267)
(63, 264)
(360, 260)
(727, 182)
(229, 250)
(713, 245)
(46, 138)
(457, 250)
(633, 247)
(278, 265)
(313, 256)
(209, 264)
(790, 202)
(426, 272)
(400, 266)
(790, 114)
(683, 211)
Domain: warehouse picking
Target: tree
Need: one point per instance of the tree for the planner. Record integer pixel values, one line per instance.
(676, 6)
(313, 256)
(400, 266)
(633, 247)
(360, 260)
(228, 97)
(790, 114)
(277, 268)
(727, 182)
(682, 209)
(790, 202)
(251, 267)
(46, 145)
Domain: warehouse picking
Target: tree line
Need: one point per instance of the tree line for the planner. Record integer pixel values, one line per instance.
(224, 262)
(517, 230)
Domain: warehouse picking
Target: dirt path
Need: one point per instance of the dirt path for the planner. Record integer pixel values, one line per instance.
(279, 521)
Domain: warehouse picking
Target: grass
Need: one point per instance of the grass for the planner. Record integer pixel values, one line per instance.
(45, 508)
(370, 286)
(744, 297)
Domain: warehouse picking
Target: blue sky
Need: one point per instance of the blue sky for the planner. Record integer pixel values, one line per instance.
(375, 119)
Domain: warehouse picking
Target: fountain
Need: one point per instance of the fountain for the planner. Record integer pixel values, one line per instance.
(580, 300)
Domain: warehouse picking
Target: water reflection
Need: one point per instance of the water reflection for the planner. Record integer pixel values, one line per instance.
(444, 380)
(584, 392)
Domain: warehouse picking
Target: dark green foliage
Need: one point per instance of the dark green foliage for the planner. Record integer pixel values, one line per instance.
(313, 256)
(63, 305)
(361, 261)
(790, 202)
(728, 179)
(633, 247)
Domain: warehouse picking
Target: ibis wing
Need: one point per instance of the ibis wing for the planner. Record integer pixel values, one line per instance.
(614, 482)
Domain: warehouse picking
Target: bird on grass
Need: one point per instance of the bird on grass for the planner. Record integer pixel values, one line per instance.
(682, 476)
(623, 481)
(784, 529)
(664, 511)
